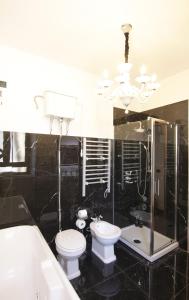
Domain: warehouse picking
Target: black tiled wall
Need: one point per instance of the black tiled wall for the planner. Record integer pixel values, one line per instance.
(39, 184)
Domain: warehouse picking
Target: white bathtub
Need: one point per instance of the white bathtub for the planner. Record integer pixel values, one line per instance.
(28, 268)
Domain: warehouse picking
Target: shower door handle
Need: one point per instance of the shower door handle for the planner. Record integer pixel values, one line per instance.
(158, 187)
(154, 186)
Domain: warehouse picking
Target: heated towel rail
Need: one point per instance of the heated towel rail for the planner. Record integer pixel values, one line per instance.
(96, 163)
(130, 162)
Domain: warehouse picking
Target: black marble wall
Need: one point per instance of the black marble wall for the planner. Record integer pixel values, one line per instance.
(29, 167)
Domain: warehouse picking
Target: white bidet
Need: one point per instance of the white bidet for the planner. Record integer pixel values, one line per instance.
(104, 236)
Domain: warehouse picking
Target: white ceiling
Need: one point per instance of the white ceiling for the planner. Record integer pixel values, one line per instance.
(87, 33)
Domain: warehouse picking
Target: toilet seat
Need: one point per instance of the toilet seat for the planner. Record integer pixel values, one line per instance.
(70, 240)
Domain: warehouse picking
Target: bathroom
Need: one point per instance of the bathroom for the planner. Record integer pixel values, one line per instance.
(29, 71)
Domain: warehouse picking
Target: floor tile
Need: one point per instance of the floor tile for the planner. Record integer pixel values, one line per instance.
(179, 261)
(93, 271)
(159, 282)
(125, 259)
(117, 287)
(133, 277)
(183, 295)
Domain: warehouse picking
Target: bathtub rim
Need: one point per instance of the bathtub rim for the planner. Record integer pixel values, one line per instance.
(48, 252)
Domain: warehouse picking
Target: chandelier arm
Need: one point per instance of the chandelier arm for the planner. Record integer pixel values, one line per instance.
(126, 34)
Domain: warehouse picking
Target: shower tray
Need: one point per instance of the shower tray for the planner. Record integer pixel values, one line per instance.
(138, 239)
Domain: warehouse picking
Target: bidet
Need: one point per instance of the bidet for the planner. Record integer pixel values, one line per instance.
(104, 236)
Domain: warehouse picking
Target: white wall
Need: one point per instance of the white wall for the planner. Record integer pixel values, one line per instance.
(28, 76)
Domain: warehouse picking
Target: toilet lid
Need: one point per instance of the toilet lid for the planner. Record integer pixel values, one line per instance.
(70, 240)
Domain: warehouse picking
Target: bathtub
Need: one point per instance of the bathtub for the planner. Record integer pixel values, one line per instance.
(28, 268)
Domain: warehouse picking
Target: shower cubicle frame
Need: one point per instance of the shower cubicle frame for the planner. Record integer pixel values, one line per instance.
(172, 244)
(153, 182)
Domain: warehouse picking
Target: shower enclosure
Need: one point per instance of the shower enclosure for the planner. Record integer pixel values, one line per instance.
(146, 185)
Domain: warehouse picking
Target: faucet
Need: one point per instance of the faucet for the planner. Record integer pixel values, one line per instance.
(97, 218)
(138, 222)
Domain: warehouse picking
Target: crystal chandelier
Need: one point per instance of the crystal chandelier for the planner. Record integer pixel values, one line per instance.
(121, 88)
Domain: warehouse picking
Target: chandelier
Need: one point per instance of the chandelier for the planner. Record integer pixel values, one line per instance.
(121, 88)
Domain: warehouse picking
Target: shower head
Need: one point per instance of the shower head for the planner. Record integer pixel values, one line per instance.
(140, 129)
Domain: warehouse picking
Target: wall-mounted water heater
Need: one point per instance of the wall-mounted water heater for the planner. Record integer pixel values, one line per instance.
(3, 86)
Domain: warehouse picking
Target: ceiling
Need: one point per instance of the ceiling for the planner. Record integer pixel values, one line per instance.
(87, 34)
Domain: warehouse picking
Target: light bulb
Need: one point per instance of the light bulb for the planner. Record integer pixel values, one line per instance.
(153, 77)
(105, 74)
(124, 68)
(143, 70)
(124, 78)
(153, 86)
(143, 78)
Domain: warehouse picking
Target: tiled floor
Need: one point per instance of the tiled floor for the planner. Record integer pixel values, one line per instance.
(131, 277)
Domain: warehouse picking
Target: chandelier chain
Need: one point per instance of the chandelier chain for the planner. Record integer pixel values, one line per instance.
(126, 47)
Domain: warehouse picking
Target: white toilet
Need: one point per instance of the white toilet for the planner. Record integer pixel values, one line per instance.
(104, 236)
(70, 244)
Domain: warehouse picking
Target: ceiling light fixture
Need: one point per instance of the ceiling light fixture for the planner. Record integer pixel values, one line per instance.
(121, 88)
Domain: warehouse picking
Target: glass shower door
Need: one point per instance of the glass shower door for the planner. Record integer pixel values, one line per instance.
(133, 184)
(163, 195)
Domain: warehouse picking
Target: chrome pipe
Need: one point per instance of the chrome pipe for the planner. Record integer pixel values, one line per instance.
(152, 186)
(176, 177)
(59, 179)
(84, 168)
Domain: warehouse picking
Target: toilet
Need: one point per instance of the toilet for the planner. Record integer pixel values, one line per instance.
(70, 245)
(104, 236)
